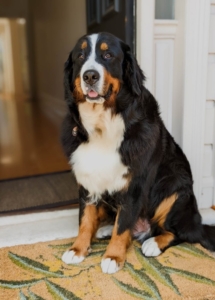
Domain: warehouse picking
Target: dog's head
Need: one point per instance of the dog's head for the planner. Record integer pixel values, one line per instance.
(98, 67)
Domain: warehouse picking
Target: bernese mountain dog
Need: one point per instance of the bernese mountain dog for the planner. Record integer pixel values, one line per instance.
(134, 179)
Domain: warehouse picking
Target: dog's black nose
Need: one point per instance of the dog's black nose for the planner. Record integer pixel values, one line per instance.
(91, 77)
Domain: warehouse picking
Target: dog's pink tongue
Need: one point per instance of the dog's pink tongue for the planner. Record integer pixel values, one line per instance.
(92, 94)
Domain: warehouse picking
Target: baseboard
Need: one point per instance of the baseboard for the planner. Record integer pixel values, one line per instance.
(38, 227)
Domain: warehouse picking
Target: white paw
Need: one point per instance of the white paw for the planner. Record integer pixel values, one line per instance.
(109, 266)
(69, 257)
(104, 231)
(150, 247)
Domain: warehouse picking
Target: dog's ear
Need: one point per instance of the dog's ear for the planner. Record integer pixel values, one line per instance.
(132, 74)
(68, 86)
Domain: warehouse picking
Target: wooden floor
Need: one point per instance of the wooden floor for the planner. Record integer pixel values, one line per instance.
(29, 141)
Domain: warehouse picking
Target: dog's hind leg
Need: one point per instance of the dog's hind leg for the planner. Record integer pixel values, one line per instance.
(154, 246)
(104, 231)
(181, 223)
(188, 224)
(162, 236)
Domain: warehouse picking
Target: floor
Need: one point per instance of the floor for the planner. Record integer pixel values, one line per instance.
(29, 141)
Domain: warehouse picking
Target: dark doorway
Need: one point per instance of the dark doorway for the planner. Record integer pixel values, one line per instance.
(114, 16)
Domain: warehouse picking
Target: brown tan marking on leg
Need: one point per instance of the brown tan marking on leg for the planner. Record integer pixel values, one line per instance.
(164, 239)
(213, 207)
(118, 245)
(163, 210)
(89, 225)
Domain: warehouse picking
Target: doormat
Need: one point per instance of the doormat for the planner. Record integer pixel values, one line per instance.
(38, 192)
(37, 272)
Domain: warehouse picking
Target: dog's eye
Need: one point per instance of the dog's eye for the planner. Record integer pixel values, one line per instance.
(81, 56)
(107, 56)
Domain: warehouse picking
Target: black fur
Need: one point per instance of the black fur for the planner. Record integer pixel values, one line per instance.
(158, 166)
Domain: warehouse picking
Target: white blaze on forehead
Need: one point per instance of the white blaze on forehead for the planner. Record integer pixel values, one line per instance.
(92, 64)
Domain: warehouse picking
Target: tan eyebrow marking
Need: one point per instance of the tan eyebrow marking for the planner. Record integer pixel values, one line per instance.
(84, 45)
(104, 46)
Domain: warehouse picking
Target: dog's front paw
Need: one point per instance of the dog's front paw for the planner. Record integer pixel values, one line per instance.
(71, 257)
(150, 247)
(110, 265)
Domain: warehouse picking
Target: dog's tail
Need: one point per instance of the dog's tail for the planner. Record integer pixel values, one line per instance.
(208, 237)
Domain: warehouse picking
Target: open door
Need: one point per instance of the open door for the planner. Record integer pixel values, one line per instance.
(114, 16)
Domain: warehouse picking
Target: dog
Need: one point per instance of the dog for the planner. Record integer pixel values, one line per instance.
(134, 179)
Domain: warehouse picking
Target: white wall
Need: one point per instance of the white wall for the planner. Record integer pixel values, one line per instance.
(180, 65)
(156, 45)
(56, 27)
(208, 175)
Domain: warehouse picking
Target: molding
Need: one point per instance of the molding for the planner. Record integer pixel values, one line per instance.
(165, 29)
(212, 26)
(145, 11)
(164, 48)
(195, 85)
(163, 78)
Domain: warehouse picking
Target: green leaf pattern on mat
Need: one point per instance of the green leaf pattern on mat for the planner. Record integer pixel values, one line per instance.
(156, 270)
(144, 281)
(132, 291)
(191, 276)
(22, 296)
(33, 265)
(33, 296)
(17, 284)
(60, 293)
(152, 271)
(192, 250)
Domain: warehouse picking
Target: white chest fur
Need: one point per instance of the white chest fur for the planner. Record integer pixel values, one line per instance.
(97, 164)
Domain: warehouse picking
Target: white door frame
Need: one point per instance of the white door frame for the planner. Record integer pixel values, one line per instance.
(145, 39)
(197, 17)
(191, 84)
